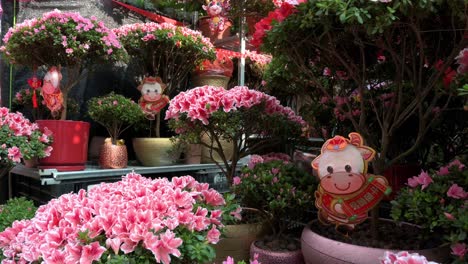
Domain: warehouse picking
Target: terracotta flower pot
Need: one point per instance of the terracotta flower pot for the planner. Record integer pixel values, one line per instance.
(236, 242)
(113, 156)
(276, 257)
(319, 249)
(31, 163)
(153, 151)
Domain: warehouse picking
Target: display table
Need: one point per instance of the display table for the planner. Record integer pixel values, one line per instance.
(44, 185)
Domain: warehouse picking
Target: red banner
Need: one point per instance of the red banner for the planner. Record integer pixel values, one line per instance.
(150, 15)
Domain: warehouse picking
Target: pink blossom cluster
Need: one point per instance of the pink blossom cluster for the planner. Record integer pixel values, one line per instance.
(459, 249)
(278, 3)
(118, 217)
(261, 59)
(148, 30)
(230, 260)
(462, 60)
(199, 103)
(255, 159)
(38, 26)
(404, 257)
(21, 133)
(424, 179)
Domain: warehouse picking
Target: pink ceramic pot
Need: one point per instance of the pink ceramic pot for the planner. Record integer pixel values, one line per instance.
(275, 257)
(319, 249)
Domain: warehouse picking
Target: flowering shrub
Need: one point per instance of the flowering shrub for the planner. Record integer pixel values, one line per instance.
(61, 39)
(275, 186)
(165, 50)
(437, 201)
(136, 220)
(359, 45)
(15, 209)
(115, 112)
(21, 139)
(403, 257)
(233, 115)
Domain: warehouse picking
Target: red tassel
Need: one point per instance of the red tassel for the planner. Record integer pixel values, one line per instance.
(34, 99)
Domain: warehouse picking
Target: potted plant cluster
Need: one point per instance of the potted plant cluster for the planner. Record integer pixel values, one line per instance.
(283, 194)
(116, 113)
(20, 140)
(170, 53)
(135, 220)
(62, 41)
(232, 115)
(436, 201)
(214, 73)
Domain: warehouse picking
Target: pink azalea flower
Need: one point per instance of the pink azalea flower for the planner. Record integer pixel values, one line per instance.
(456, 192)
(237, 213)
(459, 250)
(91, 252)
(424, 179)
(449, 216)
(229, 260)
(236, 181)
(14, 154)
(403, 257)
(443, 171)
(213, 235)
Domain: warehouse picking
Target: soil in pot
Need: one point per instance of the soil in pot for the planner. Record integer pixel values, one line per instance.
(391, 235)
(279, 244)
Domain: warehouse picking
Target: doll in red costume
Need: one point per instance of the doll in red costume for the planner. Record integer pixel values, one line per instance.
(51, 92)
(152, 99)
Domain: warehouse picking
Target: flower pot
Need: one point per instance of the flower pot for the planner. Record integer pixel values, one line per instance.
(213, 80)
(237, 241)
(153, 151)
(70, 146)
(276, 257)
(319, 249)
(204, 27)
(31, 163)
(113, 156)
(193, 154)
(208, 157)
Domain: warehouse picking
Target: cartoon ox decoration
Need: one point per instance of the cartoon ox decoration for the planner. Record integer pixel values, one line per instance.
(152, 99)
(346, 191)
(217, 10)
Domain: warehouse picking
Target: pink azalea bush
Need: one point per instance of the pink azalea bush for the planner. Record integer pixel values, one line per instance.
(404, 257)
(230, 260)
(135, 220)
(438, 202)
(165, 50)
(21, 139)
(233, 115)
(61, 38)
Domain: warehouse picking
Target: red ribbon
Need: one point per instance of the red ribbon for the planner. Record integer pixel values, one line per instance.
(35, 83)
(150, 15)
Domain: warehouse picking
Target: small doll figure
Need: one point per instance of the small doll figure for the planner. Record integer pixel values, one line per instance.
(51, 92)
(346, 191)
(217, 10)
(152, 99)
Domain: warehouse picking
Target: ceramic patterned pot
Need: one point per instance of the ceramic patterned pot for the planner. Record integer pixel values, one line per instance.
(153, 151)
(276, 257)
(113, 156)
(319, 249)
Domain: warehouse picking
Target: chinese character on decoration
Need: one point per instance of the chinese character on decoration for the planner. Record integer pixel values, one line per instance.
(217, 10)
(152, 99)
(51, 92)
(346, 191)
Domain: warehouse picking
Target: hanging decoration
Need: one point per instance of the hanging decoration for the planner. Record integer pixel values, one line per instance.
(51, 92)
(152, 99)
(34, 83)
(346, 192)
(217, 11)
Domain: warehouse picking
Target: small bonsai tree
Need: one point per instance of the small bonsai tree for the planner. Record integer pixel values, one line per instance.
(115, 112)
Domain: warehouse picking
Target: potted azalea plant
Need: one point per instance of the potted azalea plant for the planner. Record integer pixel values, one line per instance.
(20, 140)
(116, 113)
(62, 41)
(169, 221)
(386, 56)
(167, 54)
(227, 118)
(436, 200)
(282, 193)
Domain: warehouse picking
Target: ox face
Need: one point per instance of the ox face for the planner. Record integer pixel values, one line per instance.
(151, 91)
(341, 171)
